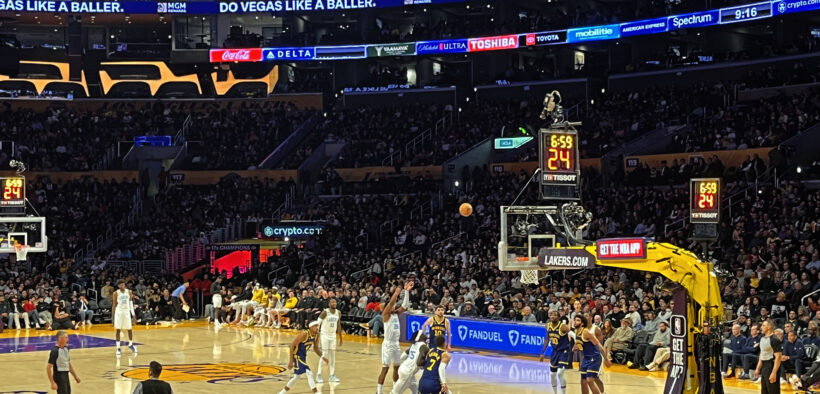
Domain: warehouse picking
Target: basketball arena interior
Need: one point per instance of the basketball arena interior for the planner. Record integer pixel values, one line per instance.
(423, 196)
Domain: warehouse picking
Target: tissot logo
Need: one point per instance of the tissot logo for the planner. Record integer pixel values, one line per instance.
(462, 332)
(513, 335)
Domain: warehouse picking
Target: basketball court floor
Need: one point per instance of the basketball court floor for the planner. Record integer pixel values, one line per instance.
(199, 359)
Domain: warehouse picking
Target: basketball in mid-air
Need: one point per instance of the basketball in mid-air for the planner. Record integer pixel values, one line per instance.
(465, 209)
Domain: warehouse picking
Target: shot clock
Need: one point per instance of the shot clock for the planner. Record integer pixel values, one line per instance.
(705, 204)
(745, 12)
(560, 171)
(13, 192)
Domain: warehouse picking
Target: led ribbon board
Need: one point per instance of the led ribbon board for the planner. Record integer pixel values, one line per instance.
(728, 15)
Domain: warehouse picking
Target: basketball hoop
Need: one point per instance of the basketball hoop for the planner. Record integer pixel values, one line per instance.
(21, 251)
(529, 277)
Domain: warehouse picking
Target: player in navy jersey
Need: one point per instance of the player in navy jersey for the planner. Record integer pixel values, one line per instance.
(559, 336)
(439, 326)
(298, 356)
(434, 378)
(592, 355)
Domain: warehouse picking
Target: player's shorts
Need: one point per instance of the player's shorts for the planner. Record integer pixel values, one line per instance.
(429, 386)
(591, 366)
(328, 343)
(299, 367)
(407, 380)
(122, 319)
(391, 354)
(560, 359)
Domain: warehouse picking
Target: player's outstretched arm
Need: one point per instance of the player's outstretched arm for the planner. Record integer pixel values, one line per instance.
(405, 305)
(388, 309)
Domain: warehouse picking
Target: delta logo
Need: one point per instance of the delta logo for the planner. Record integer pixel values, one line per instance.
(211, 372)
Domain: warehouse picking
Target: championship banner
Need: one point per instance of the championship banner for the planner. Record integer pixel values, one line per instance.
(678, 357)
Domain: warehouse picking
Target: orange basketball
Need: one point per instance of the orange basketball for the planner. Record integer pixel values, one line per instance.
(465, 209)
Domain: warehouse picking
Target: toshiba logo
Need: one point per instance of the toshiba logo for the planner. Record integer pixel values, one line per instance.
(493, 43)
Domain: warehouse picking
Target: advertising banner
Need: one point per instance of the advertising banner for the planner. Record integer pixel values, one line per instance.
(340, 52)
(307, 53)
(695, 19)
(594, 33)
(543, 38)
(205, 7)
(678, 358)
(294, 230)
(649, 26)
(441, 46)
(489, 335)
(236, 55)
(382, 50)
(492, 43)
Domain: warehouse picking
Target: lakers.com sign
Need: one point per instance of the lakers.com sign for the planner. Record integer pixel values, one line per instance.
(489, 335)
(210, 372)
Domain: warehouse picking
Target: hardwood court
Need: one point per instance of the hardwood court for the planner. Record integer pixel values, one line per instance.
(198, 359)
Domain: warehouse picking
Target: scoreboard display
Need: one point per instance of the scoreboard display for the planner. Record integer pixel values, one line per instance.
(705, 200)
(14, 192)
(560, 169)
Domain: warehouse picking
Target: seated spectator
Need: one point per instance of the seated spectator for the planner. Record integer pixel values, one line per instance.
(737, 343)
(646, 351)
(620, 338)
(750, 352)
(793, 356)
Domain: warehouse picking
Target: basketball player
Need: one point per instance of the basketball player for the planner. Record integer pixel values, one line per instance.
(438, 326)
(559, 335)
(331, 329)
(123, 310)
(298, 356)
(434, 379)
(391, 350)
(412, 359)
(592, 351)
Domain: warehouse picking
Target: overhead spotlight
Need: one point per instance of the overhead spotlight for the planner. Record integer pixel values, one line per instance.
(799, 169)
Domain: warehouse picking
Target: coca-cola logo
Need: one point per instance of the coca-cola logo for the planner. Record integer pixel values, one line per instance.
(233, 56)
(236, 55)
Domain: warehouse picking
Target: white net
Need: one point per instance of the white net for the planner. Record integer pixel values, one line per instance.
(21, 251)
(529, 277)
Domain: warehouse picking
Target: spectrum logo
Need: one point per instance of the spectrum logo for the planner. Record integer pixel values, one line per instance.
(694, 20)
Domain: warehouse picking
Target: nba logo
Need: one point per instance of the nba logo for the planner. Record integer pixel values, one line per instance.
(677, 326)
(530, 39)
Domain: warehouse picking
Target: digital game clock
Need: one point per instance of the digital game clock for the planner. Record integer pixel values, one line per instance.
(745, 12)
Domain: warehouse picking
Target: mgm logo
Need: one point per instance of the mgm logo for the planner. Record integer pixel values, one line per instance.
(211, 373)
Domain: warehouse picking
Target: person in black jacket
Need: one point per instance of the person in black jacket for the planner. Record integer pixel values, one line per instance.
(153, 385)
(4, 312)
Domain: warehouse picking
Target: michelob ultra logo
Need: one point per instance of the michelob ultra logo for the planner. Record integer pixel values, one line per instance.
(210, 372)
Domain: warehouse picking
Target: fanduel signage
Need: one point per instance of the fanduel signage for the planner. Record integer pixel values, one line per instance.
(594, 33)
(697, 19)
(444, 46)
(489, 335)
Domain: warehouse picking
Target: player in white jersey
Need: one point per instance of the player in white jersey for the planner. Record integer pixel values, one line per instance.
(330, 330)
(412, 359)
(123, 309)
(391, 350)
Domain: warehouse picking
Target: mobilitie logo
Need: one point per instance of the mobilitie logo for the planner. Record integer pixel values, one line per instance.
(606, 32)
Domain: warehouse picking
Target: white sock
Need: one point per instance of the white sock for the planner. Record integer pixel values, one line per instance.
(130, 343)
(118, 344)
(379, 389)
(554, 381)
(561, 379)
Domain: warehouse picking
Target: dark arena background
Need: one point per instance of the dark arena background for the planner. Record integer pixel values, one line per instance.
(424, 196)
